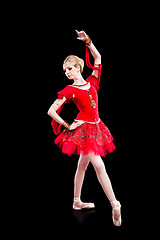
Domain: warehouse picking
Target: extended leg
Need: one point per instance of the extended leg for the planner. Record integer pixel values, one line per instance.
(107, 187)
(102, 176)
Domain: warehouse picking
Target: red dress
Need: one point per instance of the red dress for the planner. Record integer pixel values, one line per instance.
(93, 135)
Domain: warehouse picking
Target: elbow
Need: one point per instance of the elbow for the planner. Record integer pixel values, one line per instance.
(48, 112)
(51, 111)
(99, 56)
(98, 59)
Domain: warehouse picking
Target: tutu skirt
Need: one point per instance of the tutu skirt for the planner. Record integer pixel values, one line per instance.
(85, 139)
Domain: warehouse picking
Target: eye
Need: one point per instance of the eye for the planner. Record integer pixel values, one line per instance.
(68, 68)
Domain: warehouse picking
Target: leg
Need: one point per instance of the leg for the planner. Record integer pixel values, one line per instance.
(107, 187)
(102, 176)
(78, 182)
(79, 176)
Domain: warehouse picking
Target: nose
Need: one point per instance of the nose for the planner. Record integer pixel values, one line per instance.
(66, 72)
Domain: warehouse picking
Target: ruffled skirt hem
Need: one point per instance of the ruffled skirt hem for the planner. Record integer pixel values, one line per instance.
(85, 139)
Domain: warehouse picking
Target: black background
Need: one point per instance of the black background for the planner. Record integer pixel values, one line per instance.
(116, 110)
(45, 42)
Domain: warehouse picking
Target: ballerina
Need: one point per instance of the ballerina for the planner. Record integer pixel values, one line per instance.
(87, 136)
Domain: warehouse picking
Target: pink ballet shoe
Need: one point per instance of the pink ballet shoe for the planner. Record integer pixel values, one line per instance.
(116, 213)
(81, 205)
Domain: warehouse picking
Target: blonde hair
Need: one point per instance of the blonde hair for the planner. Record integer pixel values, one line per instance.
(72, 59)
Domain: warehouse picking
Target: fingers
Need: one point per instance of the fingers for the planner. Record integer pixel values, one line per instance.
(79, 32)
(74, 125)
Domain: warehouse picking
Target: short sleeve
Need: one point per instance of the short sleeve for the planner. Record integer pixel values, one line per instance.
(67, 92)
(94, 81)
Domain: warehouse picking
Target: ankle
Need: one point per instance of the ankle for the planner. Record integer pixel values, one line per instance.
(115, 204)
(77, 199)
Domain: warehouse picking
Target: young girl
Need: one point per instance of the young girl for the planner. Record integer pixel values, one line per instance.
(87, 136)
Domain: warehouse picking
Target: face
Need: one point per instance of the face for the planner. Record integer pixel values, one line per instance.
(71, 71)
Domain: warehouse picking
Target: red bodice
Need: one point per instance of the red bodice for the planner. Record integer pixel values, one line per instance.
(82, 100)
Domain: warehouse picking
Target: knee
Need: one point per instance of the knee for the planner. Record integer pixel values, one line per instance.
(82, 165)
(99, 168)
(98, 165)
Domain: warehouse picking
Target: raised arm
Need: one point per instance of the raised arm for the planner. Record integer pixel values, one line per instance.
(96, 55)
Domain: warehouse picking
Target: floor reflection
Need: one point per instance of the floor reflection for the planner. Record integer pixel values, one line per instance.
(82, 216)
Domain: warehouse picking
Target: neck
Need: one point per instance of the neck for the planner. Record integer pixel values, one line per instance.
(79, 80)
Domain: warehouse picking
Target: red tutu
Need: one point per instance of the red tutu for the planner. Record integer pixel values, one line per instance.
(86, 138)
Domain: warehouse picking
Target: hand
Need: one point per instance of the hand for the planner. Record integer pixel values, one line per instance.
(74, 125)
(81, 35)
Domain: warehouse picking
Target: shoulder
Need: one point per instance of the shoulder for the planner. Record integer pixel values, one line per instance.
(66, 92)
(94, 81)
(91, 78)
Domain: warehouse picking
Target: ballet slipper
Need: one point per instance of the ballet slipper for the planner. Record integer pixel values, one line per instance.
(79, 205)
(116, 213)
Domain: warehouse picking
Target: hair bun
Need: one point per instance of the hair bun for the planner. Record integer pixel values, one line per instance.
(75, 61)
